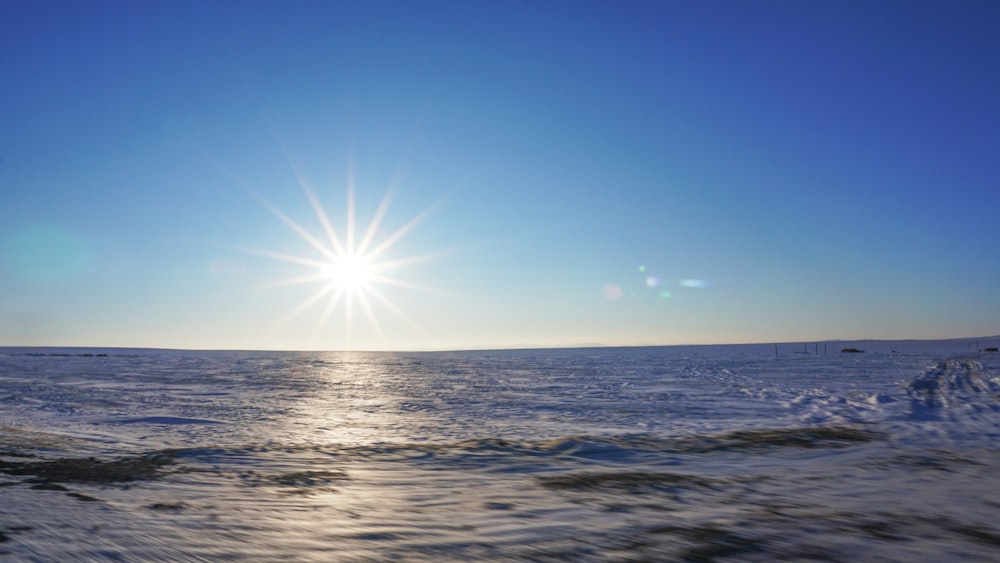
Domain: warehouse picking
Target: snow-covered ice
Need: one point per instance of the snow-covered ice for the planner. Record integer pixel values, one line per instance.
(673, 453)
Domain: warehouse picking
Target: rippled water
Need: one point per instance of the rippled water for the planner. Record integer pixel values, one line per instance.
(682, 453)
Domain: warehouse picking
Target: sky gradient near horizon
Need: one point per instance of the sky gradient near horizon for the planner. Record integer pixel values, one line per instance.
(560, 173)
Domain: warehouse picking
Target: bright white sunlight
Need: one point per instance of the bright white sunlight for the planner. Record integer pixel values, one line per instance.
(348, 265)
(348, 272)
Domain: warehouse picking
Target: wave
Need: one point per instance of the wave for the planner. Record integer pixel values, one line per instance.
(490, 454)
(161, 420)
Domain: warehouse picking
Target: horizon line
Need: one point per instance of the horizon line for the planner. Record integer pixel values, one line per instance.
(582, 346)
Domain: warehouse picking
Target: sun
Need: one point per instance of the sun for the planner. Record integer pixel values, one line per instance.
(348, 267)
(349, 273)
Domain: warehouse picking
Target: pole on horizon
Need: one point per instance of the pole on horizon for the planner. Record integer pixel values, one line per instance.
(775, 348)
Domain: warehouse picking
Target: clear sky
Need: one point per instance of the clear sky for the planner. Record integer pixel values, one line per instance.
(559, 173)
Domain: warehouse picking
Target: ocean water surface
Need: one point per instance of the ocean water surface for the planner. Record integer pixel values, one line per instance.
(606, 454)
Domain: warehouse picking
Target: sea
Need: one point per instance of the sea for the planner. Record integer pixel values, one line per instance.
(687, 453)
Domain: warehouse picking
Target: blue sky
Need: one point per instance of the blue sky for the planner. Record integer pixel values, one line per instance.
(579, 172)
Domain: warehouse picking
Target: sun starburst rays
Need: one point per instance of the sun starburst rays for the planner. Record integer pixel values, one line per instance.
(345, 266)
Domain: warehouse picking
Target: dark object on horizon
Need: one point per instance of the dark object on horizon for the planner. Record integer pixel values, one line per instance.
(851, 351)
(990, 349)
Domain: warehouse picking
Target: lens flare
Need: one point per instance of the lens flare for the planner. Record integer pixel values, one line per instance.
(612, 292)
(693, 283)
(45, 254)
